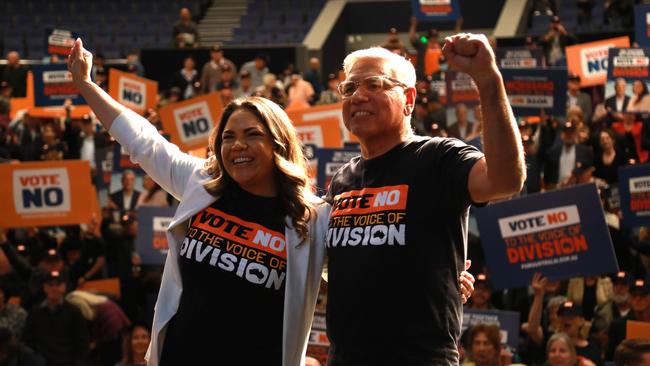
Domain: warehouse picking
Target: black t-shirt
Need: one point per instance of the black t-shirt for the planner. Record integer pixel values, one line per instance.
(396, 245)
(233, 269)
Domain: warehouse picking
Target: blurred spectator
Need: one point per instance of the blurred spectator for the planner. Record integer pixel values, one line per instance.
(101, 79)
(245, 88)
(610, 158)
(85, 255)
(640, 101)
(560, 351)
(153, 194)
(428, 48)
(107, 322)
(285, 77)
(134, 346)
(554, 42)
(12, 316)
(618, 305)
(227, 79)
(484, 344)
(52, 146)
(482, 295)
(99, 64)
(619, 13)
(300, 91)
(437, 110)
(270, 90)
(211, 72)
(313, 76)
(174, 94)
(617, 103)
(185, 32)
(5, 100)
(187, 79)
(16, 75)
(126, 198)
(13, 353)
(633, 352)
(133, 63)
(640, 303)
(589, 292)
(562, 158)
(572, 322)
(420, 120)
(29, 138)
(584, 11)
(575, 97)
(83, 142)
(330, 95)
(463, 127)
(227, 95)
(55, 328)
(257, 68)
(393, 43)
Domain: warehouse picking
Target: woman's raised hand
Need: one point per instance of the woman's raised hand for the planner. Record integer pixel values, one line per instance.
(80, 61)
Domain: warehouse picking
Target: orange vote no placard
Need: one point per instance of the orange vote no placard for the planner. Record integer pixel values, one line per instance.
(46, 193)
(589, 60)
(132, 91)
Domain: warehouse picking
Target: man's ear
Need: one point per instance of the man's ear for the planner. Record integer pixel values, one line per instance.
(410, 94)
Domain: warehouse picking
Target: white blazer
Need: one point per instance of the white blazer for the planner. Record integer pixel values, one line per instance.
(183, 176)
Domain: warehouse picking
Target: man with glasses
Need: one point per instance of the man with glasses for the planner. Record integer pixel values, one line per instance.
(398, 227)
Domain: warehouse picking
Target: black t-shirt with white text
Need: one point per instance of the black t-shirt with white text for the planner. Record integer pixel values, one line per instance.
(396, 245)
(233, 268)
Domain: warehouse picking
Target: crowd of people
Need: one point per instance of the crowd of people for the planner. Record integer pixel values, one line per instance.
(45, 316)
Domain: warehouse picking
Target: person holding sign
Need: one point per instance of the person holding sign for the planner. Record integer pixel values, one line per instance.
(246, 243)
(398, 227)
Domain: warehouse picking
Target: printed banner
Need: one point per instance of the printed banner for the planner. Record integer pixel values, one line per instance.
(190, 122)
(132, 91)
(628, 63)
(322, 132)
(151, 240)
(53, 85)
(435, 10)
(637, 329)
(519, 58)
(59, 41)
(634, 190)
(329, 161)
(318, 344)
(461, 89)
(642, 25)
(322, 112)
(589, 60)
(531, 90)
(507, 321)
(560, 233)
(45, 193)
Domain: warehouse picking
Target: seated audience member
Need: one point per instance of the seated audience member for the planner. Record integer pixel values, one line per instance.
(617, 103)
(610, 158)
(257, 69)
(245, 88)
(589, 292)
(561, 159)
(561, 352)
(330, 95)
(572, 322)
(14, 353)
(153, 194)
(211, 72)
(12, 316)
(576, 97)
(270, 90)
(632, 352)
(482, 295)
(300, 91)
(126, 198)
(227, 79)
(55, 328)
(134, 346)
(463, 126)
(618, 306)
(640, 101)
(185, 32)
(85, 255)
(187, 79)
(640, 303)
(484, 346)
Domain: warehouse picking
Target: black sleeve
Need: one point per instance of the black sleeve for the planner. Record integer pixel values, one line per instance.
(451, 161)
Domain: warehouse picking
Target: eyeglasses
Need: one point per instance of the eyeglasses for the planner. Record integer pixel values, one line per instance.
(371, 84)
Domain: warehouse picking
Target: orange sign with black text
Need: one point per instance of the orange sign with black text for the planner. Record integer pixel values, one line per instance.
(589, 60)
(46, 193)
(323, 112)
(189, 122)
(132, 91)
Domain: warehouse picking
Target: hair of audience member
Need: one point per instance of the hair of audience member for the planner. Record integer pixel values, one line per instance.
(294, 186)
(399, 68)
(630, 352)
(644, 90)
(86, 302)
(562, 337)
(492, 333)
(575, 114)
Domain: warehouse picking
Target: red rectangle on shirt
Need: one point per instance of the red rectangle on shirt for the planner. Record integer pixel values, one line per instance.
(370, 200)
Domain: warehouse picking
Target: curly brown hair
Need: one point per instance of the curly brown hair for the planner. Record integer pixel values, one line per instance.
(294, 185)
